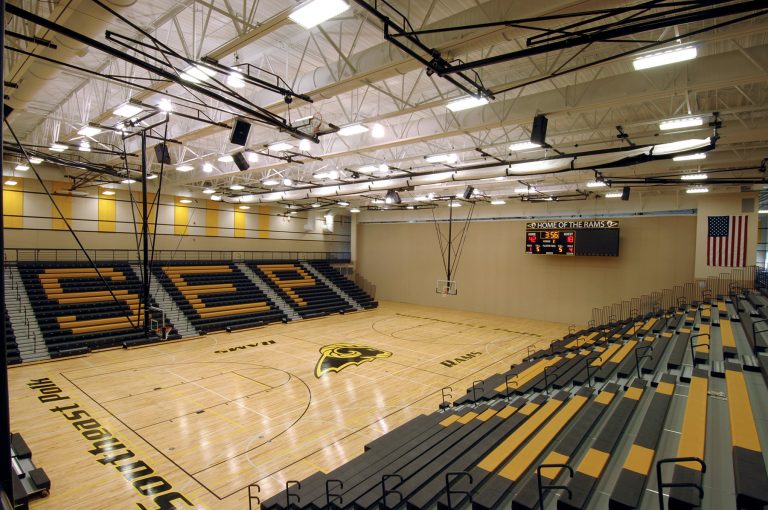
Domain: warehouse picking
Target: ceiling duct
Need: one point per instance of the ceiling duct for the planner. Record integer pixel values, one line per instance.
(82, 16)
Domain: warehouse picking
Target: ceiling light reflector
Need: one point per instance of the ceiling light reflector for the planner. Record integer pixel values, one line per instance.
(127, 110)
(524, 146)
(663, 58)
(693, 177)
(315, 12)
(354, 129)
(685, 122)
(466, 103)
(691, 157)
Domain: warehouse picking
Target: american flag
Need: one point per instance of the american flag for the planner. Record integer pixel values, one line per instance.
(727, 241)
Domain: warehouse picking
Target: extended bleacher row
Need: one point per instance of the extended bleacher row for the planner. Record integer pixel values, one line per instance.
(216, 296)
(79, 307)
(306, 294)
(348, 286)
(599, 409)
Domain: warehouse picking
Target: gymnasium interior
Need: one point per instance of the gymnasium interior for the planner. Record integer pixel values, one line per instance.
(384, 254)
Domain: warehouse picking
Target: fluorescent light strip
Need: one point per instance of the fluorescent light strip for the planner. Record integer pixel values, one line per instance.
(280, 147)
(524, 146)
(89, 131)
(466, 103)
(315, 12)
(127, 110)
(354, 129)
(596, 184)
(666, 125)
(613, 194)
(442, 158)
(691, 157)
(697, 190)
(185, 168)
(693, 177)
(663, 58)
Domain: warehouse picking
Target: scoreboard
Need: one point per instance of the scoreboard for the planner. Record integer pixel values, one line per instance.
(550, 242)
(572, 237)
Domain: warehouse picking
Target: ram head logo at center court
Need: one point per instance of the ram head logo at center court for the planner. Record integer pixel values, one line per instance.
(337, 357)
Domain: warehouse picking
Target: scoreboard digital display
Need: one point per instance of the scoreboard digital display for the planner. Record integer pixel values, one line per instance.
(551, 242)
(573, 237)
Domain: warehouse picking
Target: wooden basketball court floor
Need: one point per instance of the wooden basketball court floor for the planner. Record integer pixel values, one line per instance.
(202, 419)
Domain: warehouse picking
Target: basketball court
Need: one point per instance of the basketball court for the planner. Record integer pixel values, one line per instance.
(215, 414)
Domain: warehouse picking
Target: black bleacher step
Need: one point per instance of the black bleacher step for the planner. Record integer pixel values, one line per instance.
(686, 374)
(19, 447)
(406, 430)
(418, 475)
(368, 480)
(749, 363)
(656, 379)
(659, 347)
(763, 361)
(387, 449)
(717, 369)
(587, 474)
(20, 496)
(630, 486)
(74, 351)
(679, 345)
(527, 497)
(39, 479)
(498, 485)
(139, 341)
(491, 442)
(628, 365)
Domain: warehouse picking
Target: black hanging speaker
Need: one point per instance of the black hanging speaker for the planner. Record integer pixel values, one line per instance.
(240, 161)
(467, 192)
(162, 154)
(539, 131)
(625, 193)
(239, 134)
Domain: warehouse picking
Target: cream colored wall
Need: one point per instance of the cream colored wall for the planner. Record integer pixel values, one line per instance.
(265, 229)
(496, 276)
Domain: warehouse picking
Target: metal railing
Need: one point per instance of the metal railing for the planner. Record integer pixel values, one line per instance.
(349, 273)
(74, 255)
(739, 279)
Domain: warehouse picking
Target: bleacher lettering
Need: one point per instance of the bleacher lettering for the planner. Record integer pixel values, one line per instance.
(142, 476)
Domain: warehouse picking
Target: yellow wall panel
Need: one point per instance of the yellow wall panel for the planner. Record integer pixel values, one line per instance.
(239, 224)
(212, 219)
(13, 204)
(107, 214)
(65, 206)
(263, 222)
(180, 218)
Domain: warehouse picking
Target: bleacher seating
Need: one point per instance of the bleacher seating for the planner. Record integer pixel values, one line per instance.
(11, 347)
(349, 287)
(215, 296)
(601, 407)
(76, 311)
(306, 294)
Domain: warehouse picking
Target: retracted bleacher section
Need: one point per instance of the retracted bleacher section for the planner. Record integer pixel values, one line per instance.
(79, 307)
(306, 294)
(216, 296)
(589, 422)
(345, 284)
